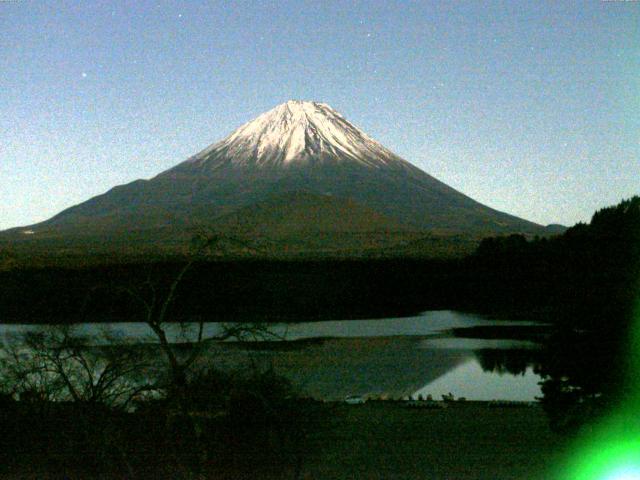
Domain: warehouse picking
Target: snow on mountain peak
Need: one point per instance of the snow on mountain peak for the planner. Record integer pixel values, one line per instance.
(298, 132)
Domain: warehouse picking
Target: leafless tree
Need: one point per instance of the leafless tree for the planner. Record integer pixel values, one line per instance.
(156, 313)
(181, 361)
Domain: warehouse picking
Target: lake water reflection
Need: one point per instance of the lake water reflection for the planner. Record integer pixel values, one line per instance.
(392, 358)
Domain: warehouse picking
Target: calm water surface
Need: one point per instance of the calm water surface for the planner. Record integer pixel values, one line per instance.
(392, 357)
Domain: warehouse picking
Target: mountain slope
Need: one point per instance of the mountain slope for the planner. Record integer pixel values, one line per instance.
(302, 213)
(295, 147)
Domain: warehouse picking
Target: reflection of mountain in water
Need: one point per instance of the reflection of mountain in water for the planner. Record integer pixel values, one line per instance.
(470, 380)
(331, 369)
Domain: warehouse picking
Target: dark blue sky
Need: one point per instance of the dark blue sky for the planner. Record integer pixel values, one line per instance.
(529, 107)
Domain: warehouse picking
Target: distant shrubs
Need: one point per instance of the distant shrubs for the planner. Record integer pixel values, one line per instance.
(55, 363)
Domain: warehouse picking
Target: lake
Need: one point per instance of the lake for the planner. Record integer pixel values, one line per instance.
(381, 358)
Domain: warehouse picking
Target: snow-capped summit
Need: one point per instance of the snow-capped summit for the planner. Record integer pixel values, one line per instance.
(299, 132)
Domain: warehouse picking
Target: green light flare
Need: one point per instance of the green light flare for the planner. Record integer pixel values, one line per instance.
(612, 450)
(634, 355)
(625, 474)
(612, 453)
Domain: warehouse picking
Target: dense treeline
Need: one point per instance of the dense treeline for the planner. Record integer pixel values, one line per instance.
(229, 290)
(586, 277)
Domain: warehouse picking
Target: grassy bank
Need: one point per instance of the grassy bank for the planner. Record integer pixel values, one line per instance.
(377, 440)
(465, 441)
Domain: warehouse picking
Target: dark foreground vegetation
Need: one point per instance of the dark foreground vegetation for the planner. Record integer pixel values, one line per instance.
(377, 440)
(254, 429)
(72, 409)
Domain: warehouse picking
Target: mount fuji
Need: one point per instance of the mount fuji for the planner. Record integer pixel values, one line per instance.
(299, 173)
